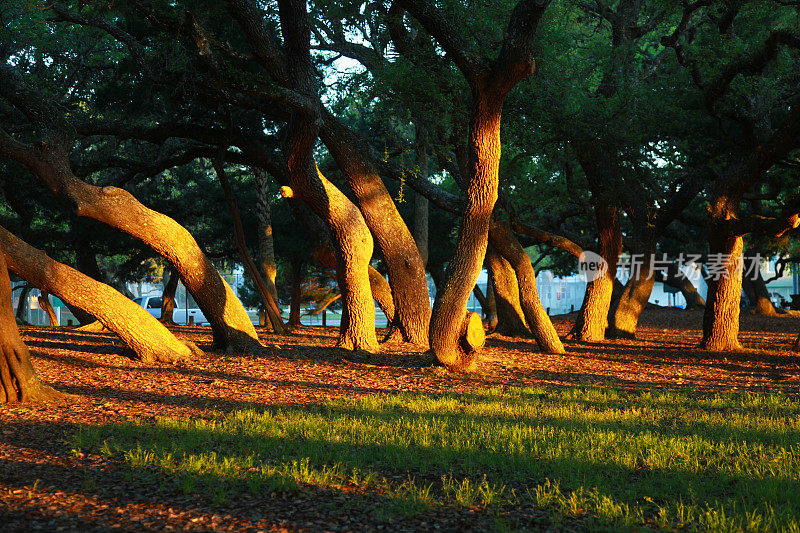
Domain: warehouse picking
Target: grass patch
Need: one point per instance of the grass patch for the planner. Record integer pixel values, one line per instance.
(599, 456)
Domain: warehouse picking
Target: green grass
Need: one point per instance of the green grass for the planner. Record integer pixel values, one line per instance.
(596, 457)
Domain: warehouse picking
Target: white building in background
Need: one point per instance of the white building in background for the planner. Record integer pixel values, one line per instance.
(559, 295)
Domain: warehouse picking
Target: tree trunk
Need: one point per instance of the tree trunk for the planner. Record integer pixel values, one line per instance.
(450, 315)
(630, 306)
(510, 317)
(421, 205)
(266, 245)
(262, 284)
(478, 293)
(18, 381)
(437, 275)
(168, 297)
(633, 300)
(232, 328)
(404, 264)
(721, 318)
(44, 303)
(592, 322)
(676, 278)
(491, 304)
(504, 242)
(139, 329)
(325, 255)
(755, 288)
(348, 230)
(382, 294)
(297, 293)
(22, 306)
(351, 238)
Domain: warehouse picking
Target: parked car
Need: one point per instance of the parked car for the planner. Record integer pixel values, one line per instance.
(180, 315)
(778, 300)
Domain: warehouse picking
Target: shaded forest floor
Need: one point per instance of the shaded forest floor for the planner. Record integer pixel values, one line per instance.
(43, 485)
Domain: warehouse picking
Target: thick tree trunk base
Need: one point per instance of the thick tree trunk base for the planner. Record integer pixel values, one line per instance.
(393, 334)
(632, 302)
(240, 343)
(721, 317)
(592, 321)
(18, 380)
(464, 358)
(510, 320)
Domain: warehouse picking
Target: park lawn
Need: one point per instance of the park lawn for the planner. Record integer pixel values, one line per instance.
(588, 457)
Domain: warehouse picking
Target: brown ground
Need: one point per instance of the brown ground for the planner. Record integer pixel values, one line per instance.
(42, 486)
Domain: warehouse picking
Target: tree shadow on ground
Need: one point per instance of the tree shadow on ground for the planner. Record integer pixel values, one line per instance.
(519, 469)
(95, 493)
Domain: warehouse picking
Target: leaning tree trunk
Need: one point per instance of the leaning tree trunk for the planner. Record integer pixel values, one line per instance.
(351, 238)
(675, 278)
(18, 381)
(437, 275)
(633, 300)
(266, 245)
(262, 284)
(491, 305)
(297, 293)
(478, 293)
(721, 318)
(350, 235)
(325, 254)
(231, 326)
(755, 288)
(510, 317)
(453, 341)
(44, 303)
(22, 304)
(504, 242)
(168, 297)
(403, 261)
(139, 329)
(382, 294)
(593, 320)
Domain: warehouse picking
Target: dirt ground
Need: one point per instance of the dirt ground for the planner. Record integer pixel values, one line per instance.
(43, 486)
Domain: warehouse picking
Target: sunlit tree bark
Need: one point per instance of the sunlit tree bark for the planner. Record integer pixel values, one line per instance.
(139, 329)
(592, 322)
(18, 381)
(44, 303)
(406, 270)
(453, 332)
(536, 317)
(349, 232)
(49, 161)
(510, 317)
